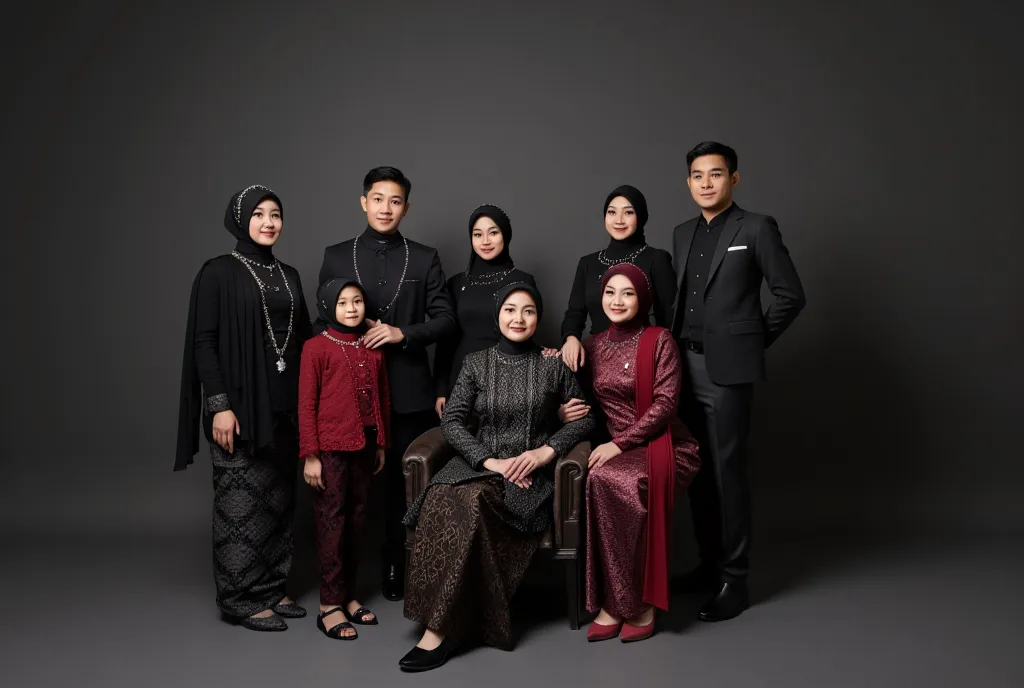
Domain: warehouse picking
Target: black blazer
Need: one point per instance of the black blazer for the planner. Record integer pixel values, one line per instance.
(423, 294)
(736, 331)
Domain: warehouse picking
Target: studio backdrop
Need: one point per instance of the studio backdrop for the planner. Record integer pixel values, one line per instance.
(887, 151)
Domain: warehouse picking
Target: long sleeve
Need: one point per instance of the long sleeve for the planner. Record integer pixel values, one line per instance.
(575, 319)
(206, 338)
(663, 281)
(439, 308)
(456, 414)
(309, 402)
(384, 398)
(570, 434)
(783, 281)
(444, 354)
(668, 379)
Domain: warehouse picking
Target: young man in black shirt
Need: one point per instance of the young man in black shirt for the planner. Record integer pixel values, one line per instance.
(408, 308)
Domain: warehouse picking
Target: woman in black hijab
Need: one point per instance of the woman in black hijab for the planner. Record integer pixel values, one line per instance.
(625, 214)
(473, 292)
(481, 517)
(247, 321)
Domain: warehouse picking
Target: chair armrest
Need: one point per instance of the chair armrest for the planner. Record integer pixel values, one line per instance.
(570, 479)
(424, 457)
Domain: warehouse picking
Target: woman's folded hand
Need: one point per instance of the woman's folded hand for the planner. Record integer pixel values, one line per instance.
(503, 466)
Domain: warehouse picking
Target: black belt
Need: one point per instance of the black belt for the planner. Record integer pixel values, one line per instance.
(690, 345)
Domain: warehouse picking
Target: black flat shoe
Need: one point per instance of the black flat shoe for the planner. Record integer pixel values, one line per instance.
(289, 611)
(356, 617)
(266, 624)
(418, 659)
(393, 583)
(334, 632)
(731, 600)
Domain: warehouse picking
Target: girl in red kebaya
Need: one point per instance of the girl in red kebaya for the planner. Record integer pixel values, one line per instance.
(343, 432)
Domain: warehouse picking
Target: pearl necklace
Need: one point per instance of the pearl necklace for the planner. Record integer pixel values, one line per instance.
(266, 313)
(355, 378)
(487, 279)
(356, 343)
(625, 342)
(612, 262)
(252, 263)
(355, 264)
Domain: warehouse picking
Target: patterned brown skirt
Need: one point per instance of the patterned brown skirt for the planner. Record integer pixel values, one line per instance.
(467, 563)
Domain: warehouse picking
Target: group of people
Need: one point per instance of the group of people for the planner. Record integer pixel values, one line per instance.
(347, 394)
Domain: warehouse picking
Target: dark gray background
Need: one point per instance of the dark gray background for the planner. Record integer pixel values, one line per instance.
(884, 138)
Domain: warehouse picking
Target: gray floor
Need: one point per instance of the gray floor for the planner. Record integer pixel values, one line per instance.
(829, 612)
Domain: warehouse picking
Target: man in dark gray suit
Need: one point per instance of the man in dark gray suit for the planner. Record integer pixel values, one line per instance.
(721, 257)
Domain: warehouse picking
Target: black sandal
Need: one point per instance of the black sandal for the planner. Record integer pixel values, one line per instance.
(334, 632)
(356, 617)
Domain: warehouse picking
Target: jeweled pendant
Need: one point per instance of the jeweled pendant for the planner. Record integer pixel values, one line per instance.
(280, 365)
(627, 367)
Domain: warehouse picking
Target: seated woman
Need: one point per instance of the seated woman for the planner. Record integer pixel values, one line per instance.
(482, 516)
(637, 375)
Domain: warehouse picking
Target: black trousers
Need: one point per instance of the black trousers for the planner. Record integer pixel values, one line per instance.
(719, 417)
(405, 428)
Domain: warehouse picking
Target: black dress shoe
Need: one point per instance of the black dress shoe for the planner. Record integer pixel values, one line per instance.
(701, 579)
(731, 601)
(418, 659)
(393, 584)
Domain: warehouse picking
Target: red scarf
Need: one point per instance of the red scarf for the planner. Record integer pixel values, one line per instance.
(661, 478)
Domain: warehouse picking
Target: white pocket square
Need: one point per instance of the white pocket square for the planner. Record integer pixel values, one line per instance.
(737, 248)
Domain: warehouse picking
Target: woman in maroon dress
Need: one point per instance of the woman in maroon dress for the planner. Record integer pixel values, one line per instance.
(637, 375)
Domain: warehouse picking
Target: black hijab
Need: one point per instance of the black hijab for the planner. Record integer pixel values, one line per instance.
(619, 248)
(238, 214)
(327, 301)
(506, 345)
(502, 261)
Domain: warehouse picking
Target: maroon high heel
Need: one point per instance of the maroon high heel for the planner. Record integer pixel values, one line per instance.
(598, 632)
(632, 634)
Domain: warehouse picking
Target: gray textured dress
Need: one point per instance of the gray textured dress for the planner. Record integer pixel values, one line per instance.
(475, 531)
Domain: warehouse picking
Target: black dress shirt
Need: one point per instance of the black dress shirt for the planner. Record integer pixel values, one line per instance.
(417, 303)
(698, 264)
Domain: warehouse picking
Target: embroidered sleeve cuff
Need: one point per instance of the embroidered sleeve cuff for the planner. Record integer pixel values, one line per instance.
(476, 458)
(217, 403)
(562, 446)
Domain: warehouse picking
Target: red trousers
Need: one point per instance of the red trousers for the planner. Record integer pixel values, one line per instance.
(339, 512)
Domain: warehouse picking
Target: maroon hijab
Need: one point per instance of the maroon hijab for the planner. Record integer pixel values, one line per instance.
(644, 294)
(661, 465)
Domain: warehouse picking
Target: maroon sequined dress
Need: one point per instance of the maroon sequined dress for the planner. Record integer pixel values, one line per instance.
(617, 491)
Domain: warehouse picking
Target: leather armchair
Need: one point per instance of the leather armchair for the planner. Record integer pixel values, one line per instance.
(429, 452)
